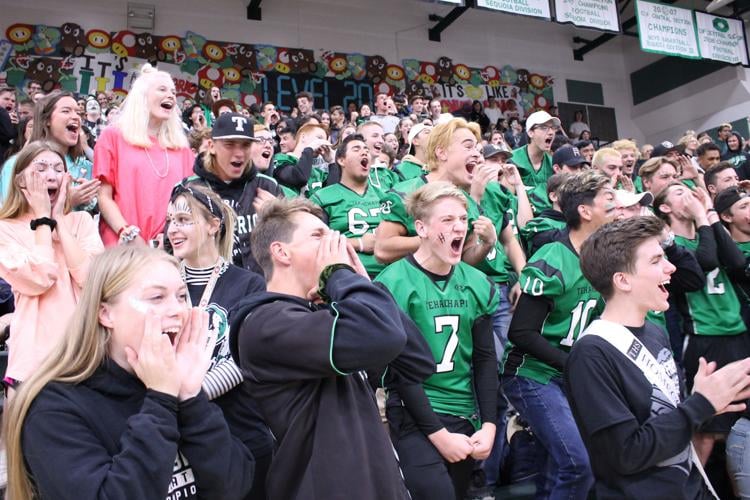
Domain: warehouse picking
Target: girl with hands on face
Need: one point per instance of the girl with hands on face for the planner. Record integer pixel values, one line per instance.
(45, 252)
(119, 402)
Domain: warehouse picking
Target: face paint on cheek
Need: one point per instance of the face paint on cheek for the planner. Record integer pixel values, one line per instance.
(441, 238)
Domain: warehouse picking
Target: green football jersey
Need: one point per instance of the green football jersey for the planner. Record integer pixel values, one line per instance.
(531, 177)
(315, 182)
(499, 206)
(538, 198)
(383, 178)
(353, 215)
(554, 272)
(445, 308)
(495, 262)
(395, 197)
(744, 248)
(537, 225)
(714, 310)
(408, 169)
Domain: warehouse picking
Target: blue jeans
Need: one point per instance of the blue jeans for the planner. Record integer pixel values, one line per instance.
(501, 320)
(500, 324)
(738, 457)
(567, 473)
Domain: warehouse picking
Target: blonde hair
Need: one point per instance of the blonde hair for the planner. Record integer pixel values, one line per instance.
(134, 115)
(16, 204)
(419, 202)
(224, 238)
(625, 144)
(79, 354)
(602, 155)
(441, 136)
(687, 138)
(259, 127)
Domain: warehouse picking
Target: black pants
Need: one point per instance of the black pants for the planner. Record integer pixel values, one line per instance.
(427, 474)
(258, 491)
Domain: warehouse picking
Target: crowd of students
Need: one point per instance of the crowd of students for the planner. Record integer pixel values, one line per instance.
(216, 302)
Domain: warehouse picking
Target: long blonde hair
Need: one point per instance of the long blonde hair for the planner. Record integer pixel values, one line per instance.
(16, 204)
(79, 353)
(224, 239)
(134, 115)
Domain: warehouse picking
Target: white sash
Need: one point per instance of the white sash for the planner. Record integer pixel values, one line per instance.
(658, 375)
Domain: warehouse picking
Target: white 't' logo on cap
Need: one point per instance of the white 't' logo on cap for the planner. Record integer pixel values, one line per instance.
(240, 122)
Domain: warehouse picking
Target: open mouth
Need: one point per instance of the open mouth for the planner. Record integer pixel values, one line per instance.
(168, 105)
(663, 286)
(172, 334)
(470, 167)
(237, 164)
(176, 242)
(364, 162)
(52, 193)
(266, 154)
(548, 141)
(456, 244)
(72, 127)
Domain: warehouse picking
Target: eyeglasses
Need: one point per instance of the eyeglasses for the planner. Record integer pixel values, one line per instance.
(265, 140)
(547, 128)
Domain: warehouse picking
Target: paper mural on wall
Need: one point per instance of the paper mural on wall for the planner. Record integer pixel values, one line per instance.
(87, 61)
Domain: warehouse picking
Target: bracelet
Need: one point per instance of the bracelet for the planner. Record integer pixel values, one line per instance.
(43, 221)
(711, 210)
(361, 246)
(123, 228)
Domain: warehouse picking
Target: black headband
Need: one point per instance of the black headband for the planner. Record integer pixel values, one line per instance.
(201, 198)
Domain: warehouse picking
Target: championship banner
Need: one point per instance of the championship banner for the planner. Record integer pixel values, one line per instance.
(721, 38)
(667, 30)
(597, 14)
(533, 8)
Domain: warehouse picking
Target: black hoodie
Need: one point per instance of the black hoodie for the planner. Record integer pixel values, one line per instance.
(110, 437)
(239, 195)
(304, 366)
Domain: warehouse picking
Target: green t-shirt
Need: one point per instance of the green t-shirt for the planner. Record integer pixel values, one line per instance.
(531, 177)
(409, 170)
(539, 225)
(554, 272)
(353, 215)
(445, 308)
(714, 310)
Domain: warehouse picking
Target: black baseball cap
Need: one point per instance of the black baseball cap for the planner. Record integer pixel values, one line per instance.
(568, 155)
(491, 150)
(233, 126)
(666, 147)
(728, 197)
